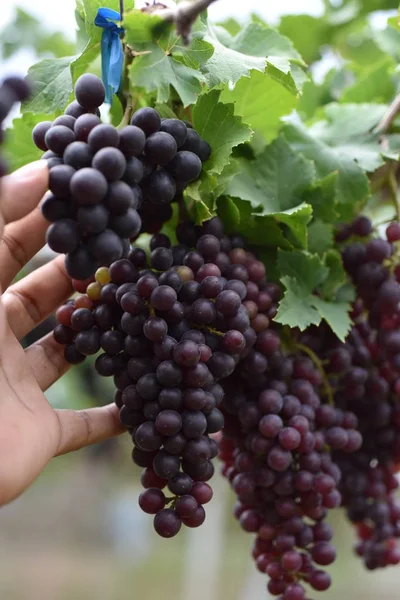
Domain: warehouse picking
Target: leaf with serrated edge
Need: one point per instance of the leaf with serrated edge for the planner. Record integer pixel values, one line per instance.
(265, 183)
(320, 236)
(261, 102)
(52, 85)
(253, 48)
(295, 309)
(216, 123)
(308, 269)
(336, 314)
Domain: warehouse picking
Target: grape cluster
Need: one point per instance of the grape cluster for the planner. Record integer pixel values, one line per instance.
(13, 89)
(108, 185)
(277, 453)
(170, 332)
(364, 375)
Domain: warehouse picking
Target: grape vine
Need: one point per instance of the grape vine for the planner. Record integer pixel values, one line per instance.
(236, 269)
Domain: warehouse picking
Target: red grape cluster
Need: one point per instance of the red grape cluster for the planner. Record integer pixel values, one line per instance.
(364, 375)
(108, 185)
(12, 90)
(170, 329)
(277, 452)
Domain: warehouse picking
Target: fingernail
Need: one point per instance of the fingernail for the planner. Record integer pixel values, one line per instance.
(30, 170)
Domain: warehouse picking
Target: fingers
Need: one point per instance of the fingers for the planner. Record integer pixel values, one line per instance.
(20, 242)
(36, 296)
(22, 190)
(46, 360)
(85, 427)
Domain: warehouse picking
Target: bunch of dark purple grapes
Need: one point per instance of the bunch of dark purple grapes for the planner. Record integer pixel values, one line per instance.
(364, 376)
(171, 329)
(12, 90)
(108, 185)
(277, 451)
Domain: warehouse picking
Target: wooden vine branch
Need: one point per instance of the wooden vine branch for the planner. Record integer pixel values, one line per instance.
(389, 116)
(183, 15)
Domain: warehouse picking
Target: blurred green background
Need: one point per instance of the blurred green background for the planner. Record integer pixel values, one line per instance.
(78, 533)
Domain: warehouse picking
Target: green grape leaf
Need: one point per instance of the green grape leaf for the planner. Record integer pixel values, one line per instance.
(337, 275)
(340, 147)
(261, 101)
(52, 85)
(320, 236)
(161, 62)
(254, 47)
(283, 229)
(217, 124)
(18, 147)
(307, 268)
(322, 197)
(307, 33)
(372, 85)
(305, 277)
(265, 183)
(295, 308)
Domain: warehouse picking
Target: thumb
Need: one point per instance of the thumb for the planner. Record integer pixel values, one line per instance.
(22, 191)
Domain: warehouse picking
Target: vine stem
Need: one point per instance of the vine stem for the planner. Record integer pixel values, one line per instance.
(389, 116)
(318, 363)
(183, 15)
(126, 119)
(392, 181)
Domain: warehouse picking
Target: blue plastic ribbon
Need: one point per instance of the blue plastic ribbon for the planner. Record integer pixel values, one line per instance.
(112, 54)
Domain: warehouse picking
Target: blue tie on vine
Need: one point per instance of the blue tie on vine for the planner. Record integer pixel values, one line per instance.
(112, 55)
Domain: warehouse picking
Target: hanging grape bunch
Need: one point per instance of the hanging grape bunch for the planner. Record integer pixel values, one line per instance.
(108, 185)
(170, 333)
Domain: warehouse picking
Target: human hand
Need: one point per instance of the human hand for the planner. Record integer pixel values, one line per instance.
(31, 431)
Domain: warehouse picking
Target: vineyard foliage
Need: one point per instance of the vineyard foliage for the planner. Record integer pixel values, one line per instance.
(295, 115)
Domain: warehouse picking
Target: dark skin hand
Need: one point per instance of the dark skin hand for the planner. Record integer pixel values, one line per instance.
(31, 431)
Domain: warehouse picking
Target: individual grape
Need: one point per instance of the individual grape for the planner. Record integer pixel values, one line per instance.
(63, 236)
(197, 519)
(80, 264)
(186, 506)
(103, 136)
(167, 523)
(133, 173)
(152, 501)
(75, 109)
(160, 148)
(228, 303)
(93, 219)
(194, 424)
(59, 180)
(88, 342)
(132, 140)
(126, 225)
(168, 422)
(147, 119)
(105, 246)
(88, 186)
(57, 138)
(65, 120)
(161, 259)
(111, 162)
(84, 124)
(54, 209)
(78, 155)
(72, 355)
(181, 484)
(89, 91)
(160, 187)
(166, 465)
(177, 129)
(155, 329)
(39, 134)
(193, 141)
(202, 492)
